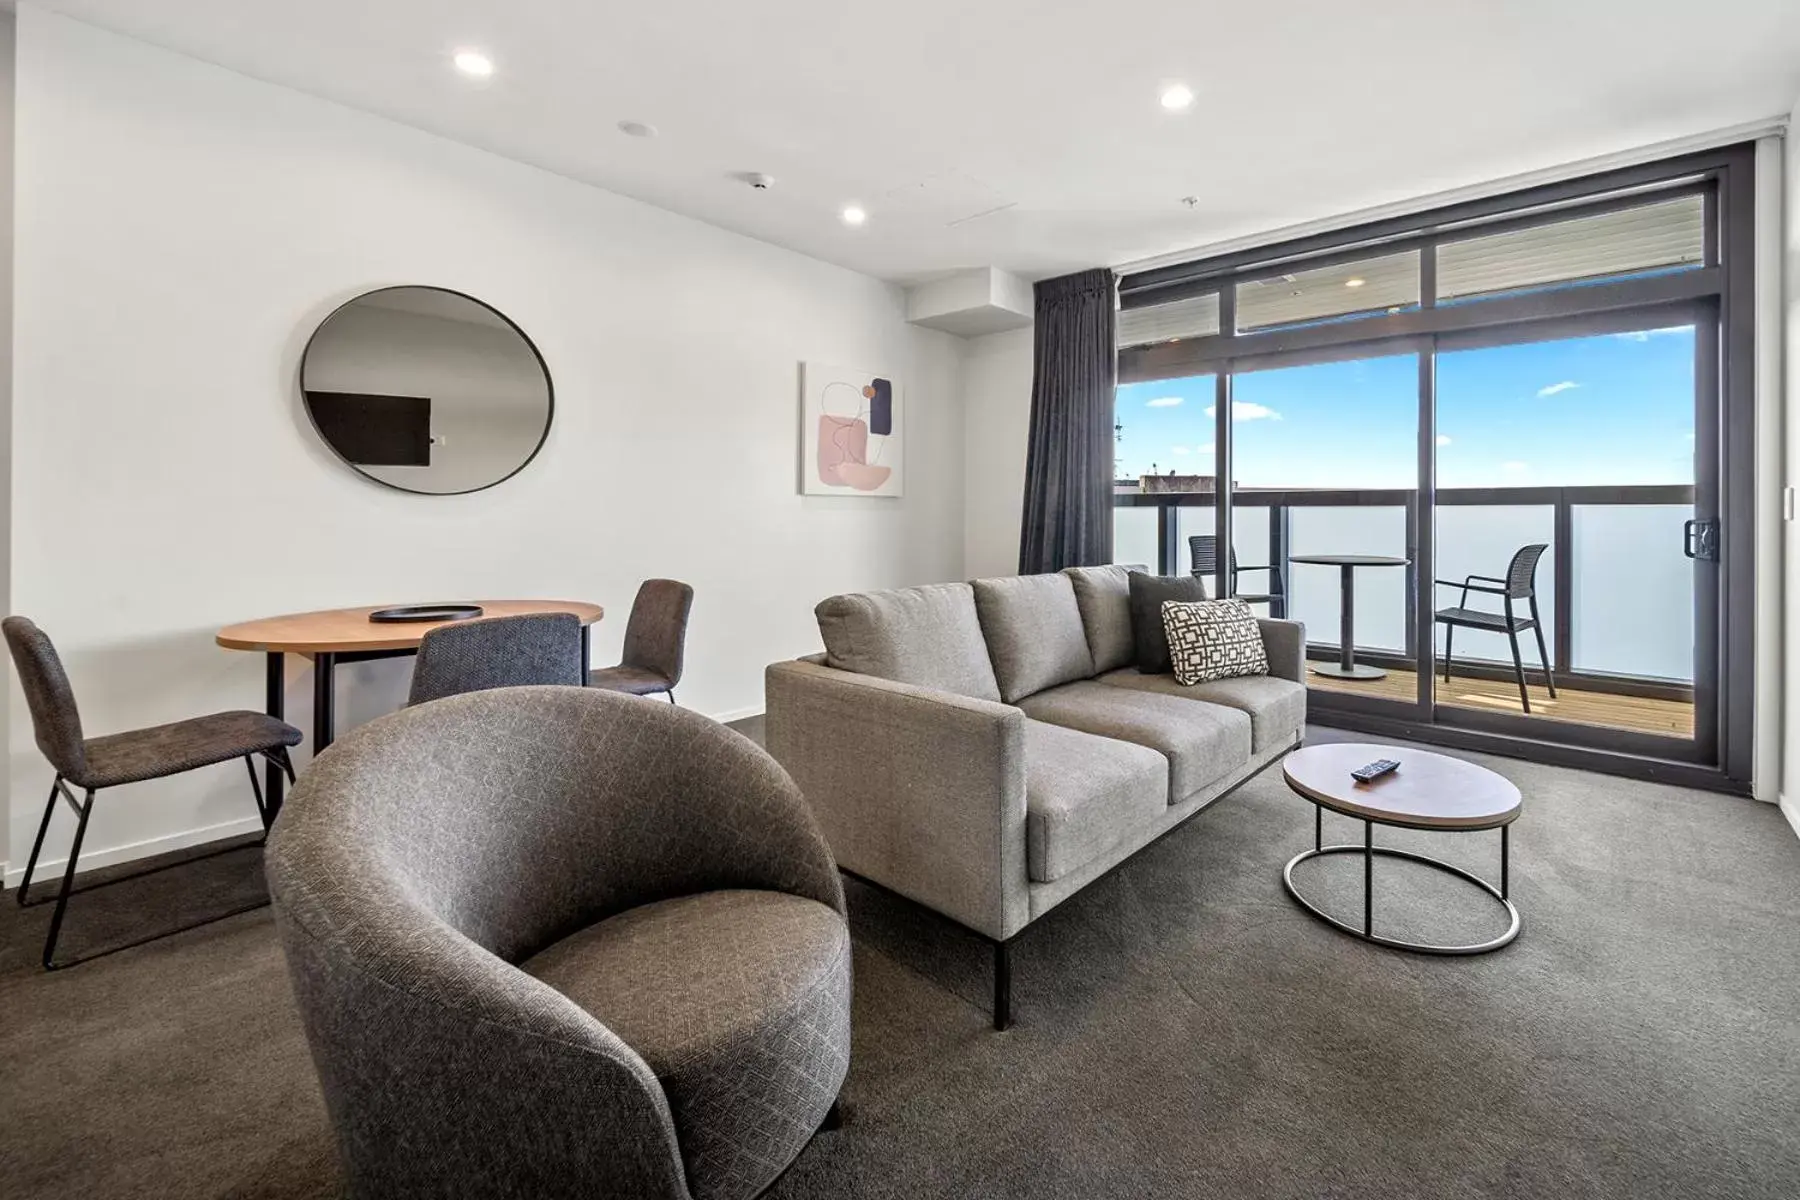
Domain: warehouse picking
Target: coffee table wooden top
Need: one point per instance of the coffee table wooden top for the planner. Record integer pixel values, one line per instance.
(1429, 791)
(348, 630)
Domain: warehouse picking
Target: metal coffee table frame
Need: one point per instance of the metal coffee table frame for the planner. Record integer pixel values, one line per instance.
(1370, 851)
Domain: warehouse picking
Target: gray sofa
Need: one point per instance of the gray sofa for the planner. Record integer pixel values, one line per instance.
(987, 749)
(558, 941)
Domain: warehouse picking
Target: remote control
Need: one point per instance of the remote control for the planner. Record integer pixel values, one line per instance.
(1375, 770)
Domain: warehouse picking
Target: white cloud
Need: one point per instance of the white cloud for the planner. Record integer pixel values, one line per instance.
(1244, 410)
(1180, 449)
(1515, 467)
(1443, 439)
(1644, 335)
(1554, 388)
(1163, 402)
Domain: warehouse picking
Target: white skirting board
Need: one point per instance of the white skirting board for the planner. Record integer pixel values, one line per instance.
(1791, 810)
(49, 871)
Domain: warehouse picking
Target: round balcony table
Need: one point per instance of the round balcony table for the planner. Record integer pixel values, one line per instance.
(1346, 666)
(1427, 791)
(346, 635)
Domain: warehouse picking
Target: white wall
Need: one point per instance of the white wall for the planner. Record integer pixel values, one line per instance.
(181, 230)
(6, 360)
(1790, 649)
(996, 420)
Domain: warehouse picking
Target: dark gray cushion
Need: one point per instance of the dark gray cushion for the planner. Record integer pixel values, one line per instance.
(740, 1003)
(1150, 643)
(1033, 632)
(1104, 596)
(1276, 707)
(1084, 794)
(927, 636)
(1202, 742)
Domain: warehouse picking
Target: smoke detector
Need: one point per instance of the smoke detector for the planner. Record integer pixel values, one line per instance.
(757, 180)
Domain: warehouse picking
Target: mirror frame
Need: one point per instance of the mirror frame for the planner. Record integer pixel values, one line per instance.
(536, 354)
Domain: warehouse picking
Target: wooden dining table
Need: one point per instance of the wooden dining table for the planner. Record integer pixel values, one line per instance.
(335, 636)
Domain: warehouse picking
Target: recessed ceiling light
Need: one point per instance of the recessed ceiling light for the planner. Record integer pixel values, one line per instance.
(853, 215)
(637, 129)
(1353, 282)
(474, 64)
(1177, 96)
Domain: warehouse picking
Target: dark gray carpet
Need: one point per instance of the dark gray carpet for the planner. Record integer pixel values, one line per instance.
(1184, 1030)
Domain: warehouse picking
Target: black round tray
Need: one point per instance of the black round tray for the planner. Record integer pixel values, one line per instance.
(425, 612)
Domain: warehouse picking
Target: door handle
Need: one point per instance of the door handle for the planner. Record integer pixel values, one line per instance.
(1700, 539)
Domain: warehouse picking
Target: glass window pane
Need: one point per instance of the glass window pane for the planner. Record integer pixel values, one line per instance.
(1625, 555)
(1164, 429)
(1317, 591)
(1480, 539)
(1650, 239)
(1197, 316)
(1367, 287)
(1134, 537)
(1328, 425)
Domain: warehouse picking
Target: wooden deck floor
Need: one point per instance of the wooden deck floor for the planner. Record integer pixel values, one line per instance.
(1669, 717)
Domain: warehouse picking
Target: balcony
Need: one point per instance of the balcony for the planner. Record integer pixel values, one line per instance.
(1616, 590)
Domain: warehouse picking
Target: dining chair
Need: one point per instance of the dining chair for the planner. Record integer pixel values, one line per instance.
(655, 638)
(1203, 549)
(538, 648)
(93, 764)
(1520, 583)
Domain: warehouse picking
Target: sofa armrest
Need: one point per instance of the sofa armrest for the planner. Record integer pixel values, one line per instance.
(1285, 642)
(919, 790)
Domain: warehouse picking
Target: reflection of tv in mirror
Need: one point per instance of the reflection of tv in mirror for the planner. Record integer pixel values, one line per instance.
(375, 431)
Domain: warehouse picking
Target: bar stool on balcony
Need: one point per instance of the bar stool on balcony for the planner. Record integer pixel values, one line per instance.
(1203, 548)
(1520, 584)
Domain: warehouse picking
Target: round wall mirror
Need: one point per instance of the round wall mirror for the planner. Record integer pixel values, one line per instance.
(427, 390)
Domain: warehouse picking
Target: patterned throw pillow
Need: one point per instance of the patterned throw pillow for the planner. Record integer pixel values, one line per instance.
(1213, 639)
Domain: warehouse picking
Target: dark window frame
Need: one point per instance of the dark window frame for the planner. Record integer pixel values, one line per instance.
(1723, 284)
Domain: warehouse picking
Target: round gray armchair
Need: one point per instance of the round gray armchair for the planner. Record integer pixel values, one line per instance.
(561, 942)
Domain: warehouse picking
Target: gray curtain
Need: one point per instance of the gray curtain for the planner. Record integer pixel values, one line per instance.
(1069, 455)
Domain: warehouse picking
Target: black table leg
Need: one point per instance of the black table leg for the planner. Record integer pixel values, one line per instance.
(1345, 667)
(1368, 877)
(277, 708)
(1503, 863)
(587, 662)
(1318, 828)
(324, 698)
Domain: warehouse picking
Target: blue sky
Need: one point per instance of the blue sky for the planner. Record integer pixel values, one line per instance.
(1612, 409)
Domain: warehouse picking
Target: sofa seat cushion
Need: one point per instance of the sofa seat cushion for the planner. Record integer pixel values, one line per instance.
(1104, 596)
(739, 1001)
(1276, 707)
(1084, 795)
(927, 636)
(1202, 742)
(1033, 630)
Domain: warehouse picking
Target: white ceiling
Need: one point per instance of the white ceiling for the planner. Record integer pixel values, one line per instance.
(1024, 134)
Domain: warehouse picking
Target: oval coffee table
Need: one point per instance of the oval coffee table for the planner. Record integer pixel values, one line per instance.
(1428, 791)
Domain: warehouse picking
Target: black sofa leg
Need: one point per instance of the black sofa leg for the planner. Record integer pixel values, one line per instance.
(1002, 986)
(834, 1116)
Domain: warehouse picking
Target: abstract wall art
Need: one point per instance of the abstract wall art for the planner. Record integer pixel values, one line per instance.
(852, 433)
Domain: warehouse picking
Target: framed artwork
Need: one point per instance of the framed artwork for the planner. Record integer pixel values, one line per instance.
(852, 432)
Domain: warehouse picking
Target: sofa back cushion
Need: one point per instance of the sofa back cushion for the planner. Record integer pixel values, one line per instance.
(1148, 594)
(926, 636)
(1103, 594)
(1034, 635)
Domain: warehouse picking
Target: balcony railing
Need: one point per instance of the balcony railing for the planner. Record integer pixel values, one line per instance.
(1616, 589)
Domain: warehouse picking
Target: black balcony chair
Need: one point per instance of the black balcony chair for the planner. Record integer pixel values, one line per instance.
(1203, 548)
(119, 758)
(1520, 584)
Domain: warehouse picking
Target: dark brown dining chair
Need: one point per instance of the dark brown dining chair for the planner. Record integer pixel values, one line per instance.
(1203, 549)
(538, 648)
(1520, 583)
(92, 764)
(654, 640)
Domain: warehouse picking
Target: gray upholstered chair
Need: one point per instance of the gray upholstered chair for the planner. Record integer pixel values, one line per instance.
(554, 942)
(119, 758)
(655, 640)
(539, 648)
